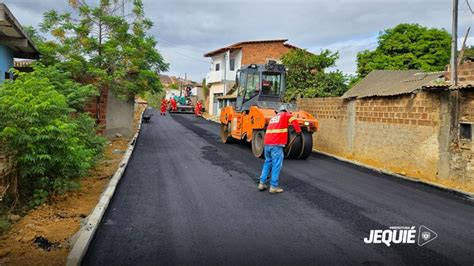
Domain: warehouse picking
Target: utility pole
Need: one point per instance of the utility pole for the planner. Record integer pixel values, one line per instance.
(454, 45)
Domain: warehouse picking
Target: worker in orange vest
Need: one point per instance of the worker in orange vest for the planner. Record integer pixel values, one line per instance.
(276, 138)
(198, 108)
(174, 104)
(164, 105)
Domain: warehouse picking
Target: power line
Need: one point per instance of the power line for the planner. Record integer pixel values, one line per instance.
(181, 45)
(187, 56)
(469, 5)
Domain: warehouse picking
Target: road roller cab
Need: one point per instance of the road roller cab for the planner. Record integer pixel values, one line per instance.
(260, 93)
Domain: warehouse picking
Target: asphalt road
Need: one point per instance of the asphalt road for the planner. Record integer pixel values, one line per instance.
(186, 198)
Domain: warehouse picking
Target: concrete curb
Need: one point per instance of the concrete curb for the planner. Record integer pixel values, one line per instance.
(470, 196)
(86, 233)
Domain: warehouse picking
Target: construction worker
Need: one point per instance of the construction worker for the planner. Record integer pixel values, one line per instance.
(198, 108)
(276, 138)
(164, 105)
(174, 104)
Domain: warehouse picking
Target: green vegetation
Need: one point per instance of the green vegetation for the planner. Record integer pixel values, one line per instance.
(468, 51)
(154, 98)
(307, 77)
(4, 224)
(205, 88)
(101, 47)
(53, 144)
(43, 123)
(407, 46)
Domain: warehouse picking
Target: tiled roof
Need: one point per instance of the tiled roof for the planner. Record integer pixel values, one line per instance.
(239, 45)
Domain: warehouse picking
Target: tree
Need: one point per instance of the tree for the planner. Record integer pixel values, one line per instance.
(407, 46)
(205, 89)
(306, 76)
(468, 51)
(102, 48)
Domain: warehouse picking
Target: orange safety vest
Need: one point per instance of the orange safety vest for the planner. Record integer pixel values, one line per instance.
(277, 129)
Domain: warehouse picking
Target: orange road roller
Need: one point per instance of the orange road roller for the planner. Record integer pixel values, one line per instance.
(260, 90)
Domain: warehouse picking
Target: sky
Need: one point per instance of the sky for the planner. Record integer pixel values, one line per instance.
(186, 29)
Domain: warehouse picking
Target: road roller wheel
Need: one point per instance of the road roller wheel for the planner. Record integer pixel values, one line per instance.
(258, 143)
(293, 151)
(307, 147)
(226, 136)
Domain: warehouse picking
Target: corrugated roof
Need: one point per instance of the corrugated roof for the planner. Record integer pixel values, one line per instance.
(391, 82)
(239, 45)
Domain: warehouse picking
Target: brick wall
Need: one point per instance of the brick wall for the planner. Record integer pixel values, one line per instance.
(465, 72)
(259, 53)
(332, 116)
(415, 109)
(399, 133)
(101, 108)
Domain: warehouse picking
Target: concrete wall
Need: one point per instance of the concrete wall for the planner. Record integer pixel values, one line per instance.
(119, 116)
(400, 134)
(214, 76)
(114, 115)
(6, 61)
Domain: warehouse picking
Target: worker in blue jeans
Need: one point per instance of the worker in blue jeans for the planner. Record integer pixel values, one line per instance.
(276, 138)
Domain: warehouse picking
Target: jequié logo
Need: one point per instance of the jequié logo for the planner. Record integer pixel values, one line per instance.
(401, 235)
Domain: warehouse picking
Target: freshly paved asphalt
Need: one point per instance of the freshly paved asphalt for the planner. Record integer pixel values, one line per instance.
(186, 199)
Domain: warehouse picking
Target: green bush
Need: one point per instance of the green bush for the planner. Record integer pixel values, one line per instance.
(4, 224)
(53, 144)
(154, 98)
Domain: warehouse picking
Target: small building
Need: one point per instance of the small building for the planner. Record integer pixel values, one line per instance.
(408, 122)
(391, 83)
(14, 43)
(226, 61)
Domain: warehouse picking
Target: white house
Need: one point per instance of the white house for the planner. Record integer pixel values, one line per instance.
(227, 60)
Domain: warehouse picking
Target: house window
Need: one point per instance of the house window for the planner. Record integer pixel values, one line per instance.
(232, 64)
(465, 131)
(7, 75)
(218, 67)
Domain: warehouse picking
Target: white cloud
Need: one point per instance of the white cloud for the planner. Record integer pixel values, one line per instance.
(186, 29)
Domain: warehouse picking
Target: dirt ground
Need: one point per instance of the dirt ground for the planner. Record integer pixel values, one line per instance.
(42, 236)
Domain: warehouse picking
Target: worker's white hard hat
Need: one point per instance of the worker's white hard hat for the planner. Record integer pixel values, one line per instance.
(282, 108)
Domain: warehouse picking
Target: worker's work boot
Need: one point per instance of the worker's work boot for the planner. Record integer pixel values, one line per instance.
(274, 190)
(262, 186)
